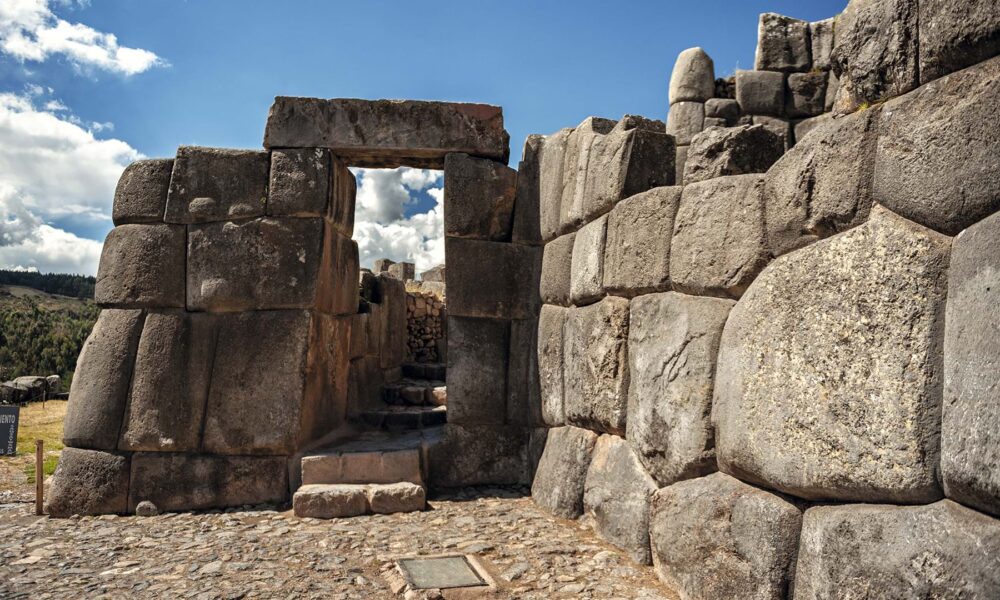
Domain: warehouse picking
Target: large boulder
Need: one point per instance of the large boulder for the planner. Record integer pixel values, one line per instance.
(388, 321)
(617, 493)
(217, 184)
(806, 94)
(830, 368)
(595, 376)
(783, 44)
(760, 92)
(557, 269)
(477, 370)
(955, 35)
(693, 77)
(587, 274)
(719, 245)
(141, 194)
(672, 345)
(685, 120)
(970, 450)
(88, 482)
(101, 382)
(869, 551)
(300, 182)
(142, 266)
(551, 167)
(938, 158)
(562, 471)
(720, 151)
(478, 198)
(492, 279)
(576, 164)
(717, 537)
(637, 243)
(551, 322)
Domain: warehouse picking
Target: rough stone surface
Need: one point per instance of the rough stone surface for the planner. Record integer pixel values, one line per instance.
(300, 182)
(875, 51)
(673, 342)
(527, 214)
(595, 376)
(821, 37)
(335, 292)
(388, 498)
(88, 482)
(141, 194)
(551, 322)
(969, 450)
(783, 44)
(388, 133)
(562, 471)
(938, 551)
(101, 382)
(718, 245)
(718, 151)
(146, 509)
(587, 274)
(805, 126)
(390, 324)
(478, 198)
(471, 455)
(617, 495)
(779, 127)
(216, 184)
(343, 198)
(170, 383)
(477, 370)
(760, 92)
(580, 147)
(693, 77)
(492, 279)
(319, 501)
(142, 266)
(806, 94)
(832, 91)
(856, 321)
(955, 35)
(680, 162)
(717, 537)
(557, 269)
(684, 120)
(524, 402)
(257, 264)
(637, 245)
(722, 108)
(938, 157)
(550, 182)
(823, 185)
(175, 482)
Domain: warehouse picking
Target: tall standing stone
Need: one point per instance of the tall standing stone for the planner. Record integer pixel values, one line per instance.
(821, 38)
(551, 322)
(587, 274)
(527, 215)
(685, 120)
(559, 481)
(637, 243)
(557, 270)
(596, 366)
(550, 182)
(693, 77)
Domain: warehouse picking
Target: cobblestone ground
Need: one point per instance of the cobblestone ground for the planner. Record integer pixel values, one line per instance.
(272, 554)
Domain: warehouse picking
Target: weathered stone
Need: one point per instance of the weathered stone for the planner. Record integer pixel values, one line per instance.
(300, 182)
(492, 279)
(722, 108)
(805, 331)
(717, 537)
(875, 51)
(477, 371)
(364, 463)
(803, 127)
(320, 501)
(783, 44)
(595, 375)
(217, 184)
(955, 35)
(551, 321)
(617, 495)
(478, 456)
(388, 498)
(680, 162)
(343, 197)
(559, 480)
(718, 245)
(557, 269)
(969, 452)
(739, 150)
(779, 127)
(388, 133)
(478, 198)
(176, 482)
(359, 335)
(142, 266)
(821, 39)
(823, 185)
(938, 158)
(88, 482)
(673, 342)
(760, 92)
(364, 385)
(580, 147)
(587, 274)
(403, 271)
(684, 120)
(146, 509)
(382, 265)
(806, 94)
(524, 402)
(637, 245)
(693, 77)
(434, 274)
(170, 383)
(141, 194)
(101, 382)
(939, 551)
(832, 90)
(391, 326)
(257, 264)
(527, 216)
(552, 159)
(714, 122)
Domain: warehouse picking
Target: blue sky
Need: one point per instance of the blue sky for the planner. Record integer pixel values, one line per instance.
(205, 72)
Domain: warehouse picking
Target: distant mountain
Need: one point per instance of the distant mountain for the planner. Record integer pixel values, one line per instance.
(76, 286)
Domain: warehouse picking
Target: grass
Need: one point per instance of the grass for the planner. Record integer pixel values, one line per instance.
(41, 421)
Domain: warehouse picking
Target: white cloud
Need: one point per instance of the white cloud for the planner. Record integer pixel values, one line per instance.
(30, 31)
(53, 250)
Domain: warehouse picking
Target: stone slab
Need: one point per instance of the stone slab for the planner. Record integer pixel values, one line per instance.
(551, 321)
(477, 370)
(299, 184)
(760, 92)
(637, 244)
(478, 198)
(142, 266)
(492, 279)
(740, 150)
(557, 269)
(217, 184)
(783, 44)
(389, 498)
(562, 471)
(362, 466)
(330, 501)
(141, 193)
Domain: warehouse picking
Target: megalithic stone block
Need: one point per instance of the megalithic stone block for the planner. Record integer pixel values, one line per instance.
(527, 216)
(551, 322)
(88, 482)
(141, 194)
(723, 108)
(217, 184)
(479, 455)
(478, 198)
(955, 35)
(388, 133)
(783, 44)
(587, 274)
(550, 181)
(344, 193)
(403, 271)
(760, 92)
(738, 150)
(806, 94)
(336, 292)
(821, 38)
(392, 321)
(142, 266)
(300, 183)
(477, 370)
(580, 149)
(524, 402)
(685, 120)
(492, 279)
(693, 77)
(101, 382)
(557, 269)
(562, 471)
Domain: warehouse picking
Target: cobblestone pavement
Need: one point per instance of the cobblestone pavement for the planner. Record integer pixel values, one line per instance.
(265, 553)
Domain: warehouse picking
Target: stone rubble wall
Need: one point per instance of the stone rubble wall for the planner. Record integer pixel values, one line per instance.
(426, 325)
(779, 379)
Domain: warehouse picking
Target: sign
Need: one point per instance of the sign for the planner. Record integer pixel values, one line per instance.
(9, 417)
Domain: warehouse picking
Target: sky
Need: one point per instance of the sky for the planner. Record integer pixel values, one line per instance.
(88, 86)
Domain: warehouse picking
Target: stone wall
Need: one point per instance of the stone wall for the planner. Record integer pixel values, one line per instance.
(426, 323)
(779, 379)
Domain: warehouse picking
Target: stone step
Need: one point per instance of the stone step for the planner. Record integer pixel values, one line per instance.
(417, 370)
(326, 501)
(373, 456)
(405, 418)
(415, 392)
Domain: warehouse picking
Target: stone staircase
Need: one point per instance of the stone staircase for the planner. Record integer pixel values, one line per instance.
(382, 468)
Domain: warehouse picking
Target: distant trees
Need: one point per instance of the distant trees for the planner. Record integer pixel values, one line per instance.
(76, 286)
(39, 338)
